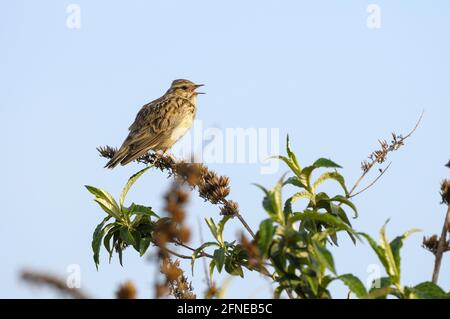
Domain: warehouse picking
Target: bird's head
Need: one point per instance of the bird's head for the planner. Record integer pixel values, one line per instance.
(184, 88)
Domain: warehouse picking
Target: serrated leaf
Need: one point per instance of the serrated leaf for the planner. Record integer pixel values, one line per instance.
(219, 258)
(144, 243)
(397, 244)
(233, 269)
(325, 163)
(323, 256)
(130, 183)
(108, 208)
(392, 270)
(289, 163)
(295, 197)
(333, 176)
(321, 217)
(354, 284)
(429, 290)
(107, 240)
(272, 201)
(292, 157)
(198, 250)
(379, 251)
(265, 235)
(295, 180)
(345, 201)
(212, 265)
(212, 227)
(105, 198)
(97, 240)
(142, 210)
(126, 236)
(220, 228)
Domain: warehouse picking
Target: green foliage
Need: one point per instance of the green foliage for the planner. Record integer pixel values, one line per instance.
(293, 244)
(132, 226)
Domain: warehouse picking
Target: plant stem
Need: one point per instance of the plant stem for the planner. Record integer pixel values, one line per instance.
(442, 247)
(244, 223)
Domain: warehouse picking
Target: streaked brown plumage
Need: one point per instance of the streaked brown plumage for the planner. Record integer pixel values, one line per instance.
(160, 123)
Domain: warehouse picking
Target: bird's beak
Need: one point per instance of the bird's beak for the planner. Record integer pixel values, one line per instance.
(197, 86)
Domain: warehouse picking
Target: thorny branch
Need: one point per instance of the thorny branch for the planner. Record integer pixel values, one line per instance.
(379, 156)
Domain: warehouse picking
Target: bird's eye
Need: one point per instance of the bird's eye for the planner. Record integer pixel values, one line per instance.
(184, 87)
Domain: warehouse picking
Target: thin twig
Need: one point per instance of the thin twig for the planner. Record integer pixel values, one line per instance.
(201, 253)
(379, 156)
(442, 247)
(244, 223)
(44, 279)
(372, 183)
(205, 268)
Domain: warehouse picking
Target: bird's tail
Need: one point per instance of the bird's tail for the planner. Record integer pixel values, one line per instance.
(120, 154)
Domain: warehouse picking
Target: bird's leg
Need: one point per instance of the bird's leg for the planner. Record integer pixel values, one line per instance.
(169, 155)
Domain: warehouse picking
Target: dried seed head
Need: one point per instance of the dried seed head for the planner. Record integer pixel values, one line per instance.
(431, 243)
(161, 290)
(230, 208)
(445, 191)
(184, 234)
(212, 291)
(171, 269)
(126, 291)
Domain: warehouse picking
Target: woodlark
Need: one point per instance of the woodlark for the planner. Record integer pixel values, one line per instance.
(160, 123)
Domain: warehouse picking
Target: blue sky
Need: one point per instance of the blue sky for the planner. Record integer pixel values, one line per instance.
(313, 69)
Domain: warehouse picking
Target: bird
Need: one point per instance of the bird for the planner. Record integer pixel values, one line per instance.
(159, 124)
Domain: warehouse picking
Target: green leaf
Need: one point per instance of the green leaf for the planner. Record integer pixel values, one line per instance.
(321, 217)
(212, 227)
(233, 269)
(289, 163)
(107, 207)
(120, 251)
(220, 228)
(105, 198)
(107, 239)
(212, 265)
(295, 180)
(295, 197)
(197, 252)
(377, 249)
(144, 243)
(130, 183)
(126, 236)
(330, 175)
(265, 235)
(325, 163)
(323, 256)
(305, 176)
(397, 244)
(392, 270)
(219, 258)
(382, 282)
(354, 284)
(428, 290)
(97, 240)
(272, 201)
(292, 157)
(345, 201)
(142, 210)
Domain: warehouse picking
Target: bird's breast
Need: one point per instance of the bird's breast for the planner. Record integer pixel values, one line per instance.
(180, 130)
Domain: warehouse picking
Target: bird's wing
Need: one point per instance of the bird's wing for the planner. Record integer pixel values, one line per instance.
(152, 125)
